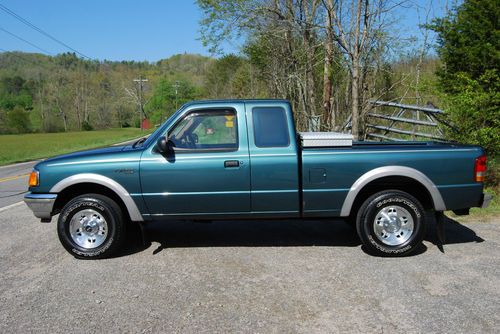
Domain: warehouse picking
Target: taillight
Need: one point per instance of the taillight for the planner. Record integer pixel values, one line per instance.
(480, 169)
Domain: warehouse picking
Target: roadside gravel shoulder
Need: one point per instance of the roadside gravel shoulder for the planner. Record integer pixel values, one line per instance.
(251, 277)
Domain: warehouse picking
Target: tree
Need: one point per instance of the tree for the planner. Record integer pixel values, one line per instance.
(281, 42)
(469, 47)
(220, 75)
(19, 120)
(15, 91)
(164, 100)
(328, 64)
(67, 92)
(295, 44)
(475, 111)
(360, 32)
(468, 42)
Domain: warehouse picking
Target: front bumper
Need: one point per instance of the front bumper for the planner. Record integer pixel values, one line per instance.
(41, 204)
(486, 200)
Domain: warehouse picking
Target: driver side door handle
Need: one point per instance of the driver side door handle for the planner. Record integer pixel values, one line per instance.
(231, 163)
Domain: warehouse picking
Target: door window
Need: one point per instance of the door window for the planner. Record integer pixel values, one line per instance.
(206, 130)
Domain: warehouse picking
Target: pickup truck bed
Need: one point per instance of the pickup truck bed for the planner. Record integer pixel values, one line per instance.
(433, 165)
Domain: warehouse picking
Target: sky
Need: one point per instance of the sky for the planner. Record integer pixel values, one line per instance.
(133, 30)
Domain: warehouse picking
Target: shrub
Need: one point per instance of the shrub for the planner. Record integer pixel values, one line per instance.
(18, 120)
(86, 126)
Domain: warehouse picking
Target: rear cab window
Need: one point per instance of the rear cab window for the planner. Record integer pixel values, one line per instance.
(270, 127)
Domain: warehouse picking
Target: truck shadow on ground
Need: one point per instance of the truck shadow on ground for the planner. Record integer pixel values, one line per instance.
(455, 233)
(272, 233)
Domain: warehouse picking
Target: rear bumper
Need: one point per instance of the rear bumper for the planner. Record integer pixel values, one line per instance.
(41, 204)
(486, 200)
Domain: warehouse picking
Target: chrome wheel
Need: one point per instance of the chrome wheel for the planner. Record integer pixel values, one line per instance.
(88, 228)
(393, 225)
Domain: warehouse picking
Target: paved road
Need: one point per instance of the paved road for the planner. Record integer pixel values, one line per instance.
(14, 182)
(249, 277)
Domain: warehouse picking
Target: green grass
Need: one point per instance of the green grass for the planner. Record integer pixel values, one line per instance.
(18, 148)
(492, 212)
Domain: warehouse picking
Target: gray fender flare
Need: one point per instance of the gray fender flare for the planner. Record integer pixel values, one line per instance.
(132, 209)
(392, 171)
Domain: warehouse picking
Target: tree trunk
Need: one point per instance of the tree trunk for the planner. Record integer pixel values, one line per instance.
(86, 113)
(64, 118)
(63, 115)
(309, 62)
(329, 115)
(78, 99)
(355, 100)
(42, 109)
(356, 58)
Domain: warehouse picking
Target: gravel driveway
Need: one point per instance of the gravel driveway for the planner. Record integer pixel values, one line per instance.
(250, 277)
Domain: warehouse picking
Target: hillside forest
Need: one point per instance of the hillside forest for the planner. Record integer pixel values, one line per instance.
(328, 58)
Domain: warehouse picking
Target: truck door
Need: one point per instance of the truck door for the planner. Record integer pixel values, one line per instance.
(273, 158)
(208, 174)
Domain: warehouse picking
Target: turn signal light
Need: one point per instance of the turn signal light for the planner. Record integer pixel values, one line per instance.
(480, 169)
(33, 181)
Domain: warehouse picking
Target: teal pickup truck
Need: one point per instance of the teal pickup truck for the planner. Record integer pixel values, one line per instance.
(243, 159)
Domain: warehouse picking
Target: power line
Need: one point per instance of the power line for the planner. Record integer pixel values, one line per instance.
(25, 41)
(31, 25)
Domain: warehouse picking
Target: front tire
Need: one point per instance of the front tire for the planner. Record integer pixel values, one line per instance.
(391, 223)
(91, 226)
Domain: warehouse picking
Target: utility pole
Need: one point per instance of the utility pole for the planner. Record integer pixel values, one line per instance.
(141, 82)
(176, 86)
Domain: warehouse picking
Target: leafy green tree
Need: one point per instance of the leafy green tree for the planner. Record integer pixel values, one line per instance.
(13, 85)
(19, 120)
(475, 111)
(165, 101)
(469, 47)
(15, 91)
(67, 92)
(468, 43)
(220, 76)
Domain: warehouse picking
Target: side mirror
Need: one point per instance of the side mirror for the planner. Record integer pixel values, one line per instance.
(165, 146)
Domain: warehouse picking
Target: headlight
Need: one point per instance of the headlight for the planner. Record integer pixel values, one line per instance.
(34, 179)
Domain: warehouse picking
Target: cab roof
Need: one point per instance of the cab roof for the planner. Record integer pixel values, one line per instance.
(234, 101)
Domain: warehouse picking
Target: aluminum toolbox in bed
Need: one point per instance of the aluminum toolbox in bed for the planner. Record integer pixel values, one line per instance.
(325, 139)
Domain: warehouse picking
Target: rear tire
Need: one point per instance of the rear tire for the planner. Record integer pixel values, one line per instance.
(391, 223)
(91, 226)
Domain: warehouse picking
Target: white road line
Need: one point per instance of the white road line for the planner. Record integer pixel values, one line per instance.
(5, 208)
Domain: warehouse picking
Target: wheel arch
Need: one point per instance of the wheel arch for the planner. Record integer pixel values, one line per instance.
(401, 178)
(80, 184)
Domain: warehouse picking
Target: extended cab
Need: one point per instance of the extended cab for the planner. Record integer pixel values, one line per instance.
(243, 159)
